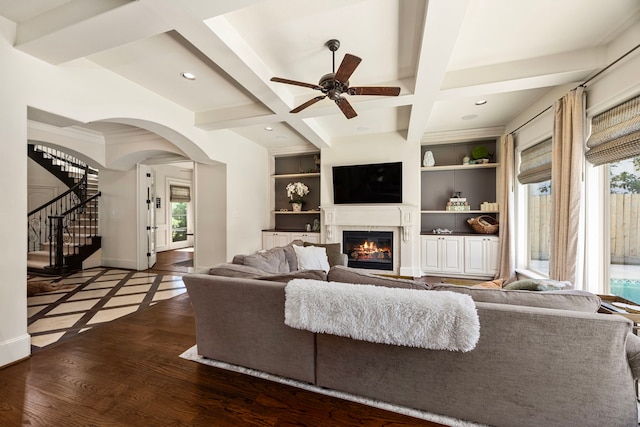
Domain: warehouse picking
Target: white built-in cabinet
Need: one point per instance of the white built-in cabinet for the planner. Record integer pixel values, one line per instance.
(271, 239)
(481, 255)
(442, 254)
(445, 255)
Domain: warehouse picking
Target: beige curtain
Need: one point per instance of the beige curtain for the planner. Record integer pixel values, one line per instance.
(566, 186)
(507, 247)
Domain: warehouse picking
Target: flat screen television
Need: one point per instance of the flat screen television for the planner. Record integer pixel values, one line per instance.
(372, 183)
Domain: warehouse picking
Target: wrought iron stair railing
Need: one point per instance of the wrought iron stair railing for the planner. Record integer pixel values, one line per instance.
(66, 227)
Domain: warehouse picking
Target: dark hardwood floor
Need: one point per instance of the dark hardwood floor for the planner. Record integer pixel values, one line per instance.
(127, 373)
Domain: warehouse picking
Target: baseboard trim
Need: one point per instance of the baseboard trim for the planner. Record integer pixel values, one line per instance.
(119, 263)
(15, 350)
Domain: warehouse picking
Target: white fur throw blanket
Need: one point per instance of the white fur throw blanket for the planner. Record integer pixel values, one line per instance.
(437, 320)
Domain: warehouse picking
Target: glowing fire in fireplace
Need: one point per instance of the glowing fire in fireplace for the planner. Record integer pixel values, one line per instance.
(369, 250)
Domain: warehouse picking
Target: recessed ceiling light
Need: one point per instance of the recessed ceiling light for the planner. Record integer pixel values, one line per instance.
(268, 128)
(188, 76)
(362, 128)
(481, 102)
(469, 117)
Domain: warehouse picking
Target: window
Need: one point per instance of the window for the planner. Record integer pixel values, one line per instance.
(535, 177)
(624, 228)
(539, 226)
(178, 221)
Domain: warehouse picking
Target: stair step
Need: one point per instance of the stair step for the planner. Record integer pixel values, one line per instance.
(83, 227)
(38, 259)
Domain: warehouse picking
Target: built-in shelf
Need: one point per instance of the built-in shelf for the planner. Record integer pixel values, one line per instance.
(460, 212)
(459, 167)
(295, 213)
(296, 175)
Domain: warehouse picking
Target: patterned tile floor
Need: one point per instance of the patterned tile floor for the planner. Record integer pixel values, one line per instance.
(91, 297)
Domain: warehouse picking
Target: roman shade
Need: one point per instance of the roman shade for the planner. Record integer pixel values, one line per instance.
(179, 193)
(535, 163)
(615, 134)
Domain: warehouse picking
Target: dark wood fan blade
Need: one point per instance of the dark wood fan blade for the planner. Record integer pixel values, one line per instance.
(346, 108)
(308, 103)
(375, 90)
(347, 67)
(293, 82)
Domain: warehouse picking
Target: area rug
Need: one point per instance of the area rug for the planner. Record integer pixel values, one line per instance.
(192, 354)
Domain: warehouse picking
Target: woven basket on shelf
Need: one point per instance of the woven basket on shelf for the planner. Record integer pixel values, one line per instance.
(484, 224)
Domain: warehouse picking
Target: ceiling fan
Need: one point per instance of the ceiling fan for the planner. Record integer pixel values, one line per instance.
(336, 83)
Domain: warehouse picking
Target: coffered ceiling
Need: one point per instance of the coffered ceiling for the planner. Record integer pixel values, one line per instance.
(444, 55)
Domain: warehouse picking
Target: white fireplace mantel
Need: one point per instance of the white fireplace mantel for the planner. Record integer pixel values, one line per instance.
(403, 218)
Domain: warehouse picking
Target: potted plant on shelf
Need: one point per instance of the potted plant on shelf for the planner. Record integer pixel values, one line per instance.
(480, 154)
(295, 192)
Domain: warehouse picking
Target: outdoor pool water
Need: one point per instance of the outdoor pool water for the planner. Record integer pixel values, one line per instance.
(626, 288)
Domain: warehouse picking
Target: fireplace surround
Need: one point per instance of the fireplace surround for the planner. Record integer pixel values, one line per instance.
(401, 219)
(368, 249)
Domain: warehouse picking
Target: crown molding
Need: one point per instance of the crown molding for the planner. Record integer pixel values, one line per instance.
(452, 136)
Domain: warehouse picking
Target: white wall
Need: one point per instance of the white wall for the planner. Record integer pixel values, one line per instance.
(43, 186)
(15, 342)
(211, 223)
(118, 218)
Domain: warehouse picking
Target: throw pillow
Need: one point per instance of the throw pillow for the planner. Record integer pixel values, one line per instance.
(526, 285)
(493, 284)
(538, 285)
(271, 261)
(290, 254)
(312, 258)
(333, 252)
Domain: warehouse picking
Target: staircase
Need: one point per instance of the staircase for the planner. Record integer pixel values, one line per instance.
(63, 232)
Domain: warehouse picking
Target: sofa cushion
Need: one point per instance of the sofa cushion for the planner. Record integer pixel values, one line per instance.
(312, 258)
(564, 300)
(339, 273)
(298, 274)
(236, 270)
(334, 256)
(270, 261)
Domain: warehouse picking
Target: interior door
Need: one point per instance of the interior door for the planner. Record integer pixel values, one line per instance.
(150, 179)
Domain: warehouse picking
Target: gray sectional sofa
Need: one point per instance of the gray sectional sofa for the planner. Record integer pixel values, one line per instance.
(542, 359)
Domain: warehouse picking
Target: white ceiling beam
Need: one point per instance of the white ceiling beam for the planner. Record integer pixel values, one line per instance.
(525, 74)
(89, 33)
(442, 23)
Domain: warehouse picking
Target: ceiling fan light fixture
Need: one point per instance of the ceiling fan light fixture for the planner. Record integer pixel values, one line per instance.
(335, 84)
(187, 75)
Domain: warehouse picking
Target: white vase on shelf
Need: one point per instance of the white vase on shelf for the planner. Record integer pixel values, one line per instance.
(297, 207)
(428, 160)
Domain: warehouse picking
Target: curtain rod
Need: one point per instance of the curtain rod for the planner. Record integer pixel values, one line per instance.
(583, 84)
